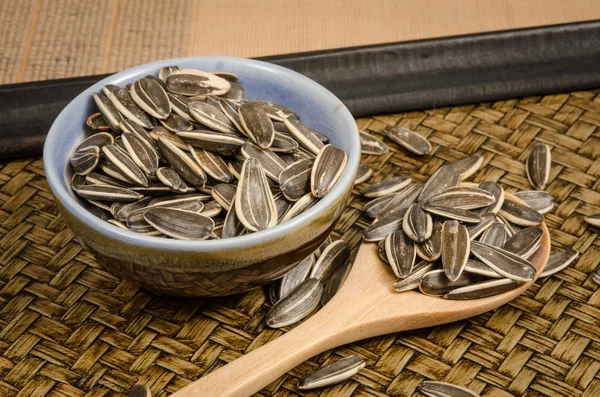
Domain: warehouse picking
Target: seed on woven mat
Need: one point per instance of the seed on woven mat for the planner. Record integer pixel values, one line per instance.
(538, 166)
(525, 242)
(593, 220)
(538, 200)
(121, 160)
(94, 178)
(271, 162)
(327, 169)
(496, 190)
(400, 253)
(476, 229)
(328, 240)
(294, 180)
(100, 139)
(176, 123)
(305, 202)
(374, 207)
(122, 212)
(141, 152)
(181, 162)
(596, 275)
(211, 117)
(413, 280)
(504, 262)
(408, 139)
(482, 289)
(212, 164)
(303, 135)
(108, 193)
(465, 198)
(333, 257)
(169, 177)
(97, 122)
(371, 145)
(386, 225)
(386, 187)
(191, 82)
(296, 275)
(78, 181)
(257, 124)
(122, 101)
(179, 224)
(224, 194)
(179, 105)
(335, 282)
(444, 178)
(225, 144)
(455, 248)
(401, 200)
(431, 249)
(85, 160)
(480, 268)
(108, 111)
(465, 216)
(296, 305)
(283, 143)
(139, 391)
(149, 95)
(468, 166)
(520, 214)
(330, 374)
(418, 224)
(118, 224)
(442, 389)
(232, 227)
(165, 72)
(436, 283)
(254, 202)
(558, 261)
(495, 235)
(363, 174)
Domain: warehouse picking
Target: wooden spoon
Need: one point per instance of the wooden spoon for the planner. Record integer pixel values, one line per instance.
(365, 306)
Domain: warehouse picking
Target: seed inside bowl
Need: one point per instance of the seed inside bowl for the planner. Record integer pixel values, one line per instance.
(191, 139)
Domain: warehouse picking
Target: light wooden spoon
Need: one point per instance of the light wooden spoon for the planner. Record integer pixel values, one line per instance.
(365, 306)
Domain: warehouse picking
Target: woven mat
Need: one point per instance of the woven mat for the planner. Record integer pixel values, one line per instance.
(69, 328)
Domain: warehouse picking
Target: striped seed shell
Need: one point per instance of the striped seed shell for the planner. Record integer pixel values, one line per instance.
(400, 252)
(386, 187)
(254, 202)
(330, 374)
(122, 212)
(335, 282)
(235, 166)
(413, 280)
(232, 227)
(179, 224)
(497, 191)
(511, 228)
(465, 198)
(85, 160)
(181, 162)
(504, 262)
(179, 105)
(374, 208)
(402, 200)
(231, 77)
(296, 305)
(303, 135)
(431, 249)
(78, 181)
(149, 94)
(520, 214)
(225, 144)
(271, 162)
(480, 268)
(296, 275)
(169, 177)
(454, 213)
(525, 242)
(224, 194)
(558, 261)
(593, 220)
(282, 205)
(468, 166)
(141, 152)
(495, 235)
(99, 139)
(442, 389)
(99, 213)
(230, 111)
(408, 139)
(176, 123)
(305, 202)
(275, 111)
(95, 178)
(137, 223)
(108, 193)
(482, 289)
(455, 248)
(538, 200)
(162, 132)
(122, 101)
(212, 164)
(328, 240)
(476, 229)
(538, 166)
(379, 230)
(327, 169)
(192, 82)
(284, 143)
(381, 252)
(211, 209)
(596, 275)
(165, 72)
(236, 93)
(363, 174)
(127, 167)
(436, 283)
(109, 112)
(444, 178)
(117, 223)
(97, 122)
(115, 173)
(371, 145)
(294, 180)
(102, 204)
(418, 224)
(334, 256)
(211, 117)
(257, 124)
(186, 202)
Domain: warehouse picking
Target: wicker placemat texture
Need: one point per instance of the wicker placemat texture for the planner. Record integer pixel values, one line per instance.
(69, 328)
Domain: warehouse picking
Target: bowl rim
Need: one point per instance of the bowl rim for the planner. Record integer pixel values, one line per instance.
(61, 192)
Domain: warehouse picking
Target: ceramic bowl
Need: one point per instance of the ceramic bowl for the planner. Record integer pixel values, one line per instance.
(211, 267)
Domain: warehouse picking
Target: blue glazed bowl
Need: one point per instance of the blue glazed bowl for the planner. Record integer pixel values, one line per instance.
(211, 267)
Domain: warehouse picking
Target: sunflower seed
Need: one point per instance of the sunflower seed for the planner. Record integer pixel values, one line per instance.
(99, 213)
(100, 139)
(454, 213)
(211, 117)
(596, 275)
(109, 112)
(538, 200)
(115, 173)
(504, 262)
(496, 190)
(225, 144)
(418, 224)
(482, 289)
(476, 267)
(319, 136)
(444, 178)
(118, 224)
(121, 160)
(303, 135)
(137, 223)
(165, 72)
(465, 198)
(330, 374)
(495, 235)
(182, 163)
(254, 202)
(431, 249)
(296, 275)
(374, 208)
(235, 93)
(558, 261)
(232, 227)
(176, 123)
(185, 204)
(162, 132)
(282, 205)
(94, 178)
(468, 166)
(257, 124)
(139, 391)
(436, 283)
(97, 122)
(149, 94)
(442, 389)
(476, 229)
(85, 160)
(212, 164)
(105, 205)
(400, 252)
(191, 82)
(141, 152)
(283, 143)
(455, 248)
(275, 111)
(538, 166)
(179, 105)
(511, 229)
(108, 193)
(122, 101)
(122, 212)
(230, 111)
(413, 280)
(231, 77)
(410, 140)
(171, 178)
(158, 189)
(386, 187)
(294, 180)
(371, 145)
(335, 282)
(386, 225)
(381, 252)
(235, 167)
(271, 163)
(526, 242)
(327, 169)
(305, 202)
(328, 240)
(224, 194)
(179, 224)
(363, 174)
(334, 256)
(296, 305)
(593, 220)
(520, 214)
(78, 181)
(211, 209)
(402, 200)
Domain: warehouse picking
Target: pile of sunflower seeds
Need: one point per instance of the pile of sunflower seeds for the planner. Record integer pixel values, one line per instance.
(184, 155)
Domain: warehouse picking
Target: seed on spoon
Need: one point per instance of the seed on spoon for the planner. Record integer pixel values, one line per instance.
(482, 289)
(151, 97)
(455, 248)
(413, 280)
(496, 190)
(525, 242)
(296, 275)
(371, 145)
(538, 200)
(296, 305)
(442, 389)
(480, 268)
(255, 205)
(417, 224)
(538, 166)
(257, 124)
(558, 261)
(363, 174)
(431, 249)
(465, 198)
(400, 252)
(327, 169)
(330, 374)
(409, 140)
(436, 283)
(386, 187)
(444, 178)
(465, 216)
(520, 214)
(333, 257)
(85, 160)
(335, 282)
(468, 166)
(506, 263)
(477, 228)
(495, 235)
